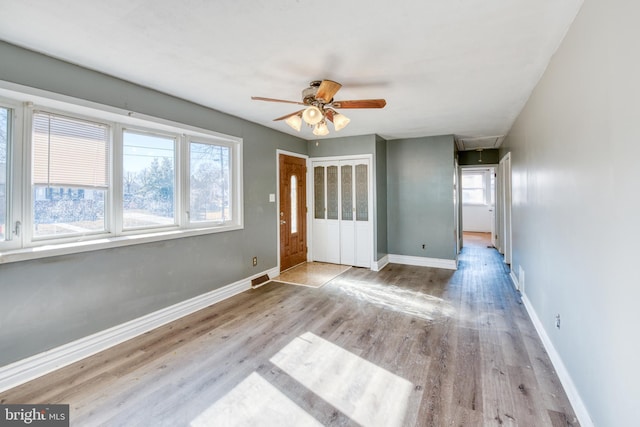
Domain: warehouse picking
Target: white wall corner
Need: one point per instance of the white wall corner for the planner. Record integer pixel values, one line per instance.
(567, 383)
(43, 363)
(380, 264)
(449, 264)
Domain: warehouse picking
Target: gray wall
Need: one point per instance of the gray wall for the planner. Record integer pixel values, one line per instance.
(574, 154)
(49, 302)
(345, 146)
(420, 197)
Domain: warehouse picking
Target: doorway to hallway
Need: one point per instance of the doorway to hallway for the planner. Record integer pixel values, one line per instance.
(478, 188)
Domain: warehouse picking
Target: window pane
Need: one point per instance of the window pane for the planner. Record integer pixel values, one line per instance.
(294, 204)
(148, 180)
(472, 180)
(209, 184)
(64, 210)
(473, 196)
(332, 192)
(318, 192)
(70, 175)
(4, 170)
(362, 193)
(347, 192)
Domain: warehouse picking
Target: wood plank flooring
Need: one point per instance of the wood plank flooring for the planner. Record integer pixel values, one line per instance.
(407, 346)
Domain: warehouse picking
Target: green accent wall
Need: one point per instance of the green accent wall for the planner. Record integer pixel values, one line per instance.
(475, 158)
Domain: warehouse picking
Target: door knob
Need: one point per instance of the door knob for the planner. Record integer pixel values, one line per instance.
(282, 221)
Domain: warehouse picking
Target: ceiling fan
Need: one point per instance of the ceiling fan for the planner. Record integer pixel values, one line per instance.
(320, 107)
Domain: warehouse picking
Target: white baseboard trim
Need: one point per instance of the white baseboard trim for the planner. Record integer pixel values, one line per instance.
(449, 264)
(40, 364)
(514, 280)
(380, 264)
(569, 387)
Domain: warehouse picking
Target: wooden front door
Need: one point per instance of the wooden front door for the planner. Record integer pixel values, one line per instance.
(293, 211)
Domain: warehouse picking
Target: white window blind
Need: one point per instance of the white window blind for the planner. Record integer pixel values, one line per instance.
(69, 152)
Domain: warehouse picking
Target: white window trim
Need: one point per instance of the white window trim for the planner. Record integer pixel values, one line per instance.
(117, 186)
(22, 100)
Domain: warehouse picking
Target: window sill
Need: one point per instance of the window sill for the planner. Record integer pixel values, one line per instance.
(58, 249)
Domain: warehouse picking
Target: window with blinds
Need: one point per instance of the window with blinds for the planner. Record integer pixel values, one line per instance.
(70, 175)
(68, 152)
(97, 178)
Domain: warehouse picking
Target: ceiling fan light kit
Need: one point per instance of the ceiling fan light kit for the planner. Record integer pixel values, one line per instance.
(312, 115)
(318, 98)
(294, 121)
(340, 121)
(321, 129)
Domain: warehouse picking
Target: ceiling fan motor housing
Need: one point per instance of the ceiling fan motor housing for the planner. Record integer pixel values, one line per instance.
(309, 94)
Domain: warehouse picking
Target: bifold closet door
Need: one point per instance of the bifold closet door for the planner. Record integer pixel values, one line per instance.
(341, 225)
(355, 230)
(326, 227)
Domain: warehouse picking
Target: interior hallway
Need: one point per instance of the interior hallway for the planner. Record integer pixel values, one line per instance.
(401, 347)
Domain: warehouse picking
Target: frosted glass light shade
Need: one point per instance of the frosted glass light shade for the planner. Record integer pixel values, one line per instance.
(295, 122)
(321, 129)
(340, 121)
(312, 115)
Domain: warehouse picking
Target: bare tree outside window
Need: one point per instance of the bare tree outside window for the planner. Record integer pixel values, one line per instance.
(209, 183)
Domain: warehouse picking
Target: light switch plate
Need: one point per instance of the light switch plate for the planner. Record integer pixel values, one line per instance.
(272, 198)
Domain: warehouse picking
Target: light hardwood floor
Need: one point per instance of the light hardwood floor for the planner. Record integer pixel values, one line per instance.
(402, 347)
(476, 239)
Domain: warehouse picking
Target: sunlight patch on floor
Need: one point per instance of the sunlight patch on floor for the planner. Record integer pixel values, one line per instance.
(255, 402)
(394, 298)
(366, 393)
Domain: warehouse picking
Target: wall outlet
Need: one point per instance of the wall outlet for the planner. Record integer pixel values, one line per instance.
(558, 321)
(424, 246)
(255, 261)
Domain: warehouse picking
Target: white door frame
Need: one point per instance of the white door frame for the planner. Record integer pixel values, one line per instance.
(457, 206)
(494, 224)
(505, 207)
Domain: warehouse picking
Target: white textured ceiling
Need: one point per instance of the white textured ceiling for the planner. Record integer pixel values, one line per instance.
(463, 67)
